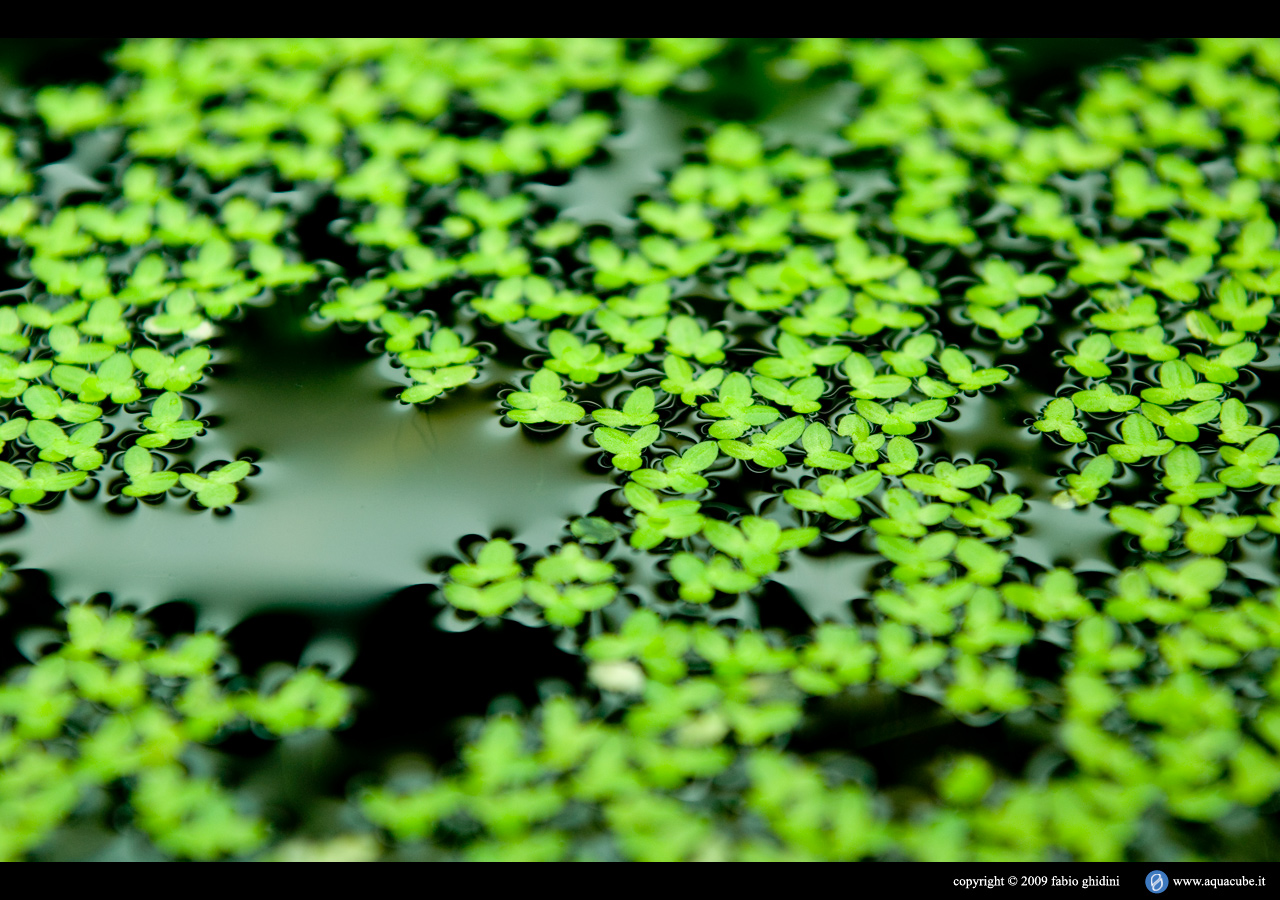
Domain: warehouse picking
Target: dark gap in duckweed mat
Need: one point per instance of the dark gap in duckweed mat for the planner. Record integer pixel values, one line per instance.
(35, 62)
(1042, 75)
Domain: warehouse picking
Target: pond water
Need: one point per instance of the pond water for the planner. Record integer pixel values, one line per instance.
(357, 492)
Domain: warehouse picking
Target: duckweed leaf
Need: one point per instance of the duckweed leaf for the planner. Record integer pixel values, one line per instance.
(947, 482)
(991, 517)
(422, 269)
(179, 315)
(545, 401)
(961, 372)
(658, 520)
(1010, 326)
(582, 362)
(566, 605)
(649, 301)
(1003, 284)
(434, 382)
(594, 530)
(1192, 582)
(557, 234)
(1234, 307)
(1103, 399)
(402, 333)
(1084, 487)
(68, 348)
(635, 336)
(1153, 527)
(494, 561)
(902, 418)
(636, 411)
(734, 407)
(1053, 598)
(797, 359)
(1177, 280)
(1149, 342)
(906, 517)
(817, 442)
(43, 402)
(1271, 521)
(756, 542)
(446, 350)
(1140, 440)
(917, 560)
(40, 479)
(685, 337)
(1123, 314)
(1250, 465)
(143, 480)
(766, 447)
(217, 488)
(700, 580)
(1182, 426)
(680, 473)
(1178, 383)
(148, 282)
(166, 423)
(857, 265)
(80, 447)
(1208, 535)
(871, 317)
(908, 288)
(11, 430)
(823, 316)
(41, 317)
(361, 303)
(553, 585)
(1102, 264)
(981, 687)
(1060, 417)
(1183, 467)
(910, 361)
(113, 378)
(1089, 357)
(835, 496)
(985, 564)
(1224, 367)
(11, 331)
(682, 382)
(15, 377)
(247, 221)
(1233, 423)
(626, 448)
(801, 396)
(866, 384)
(902, 456)
(171, 373)
(485, 600)
(1199, 236)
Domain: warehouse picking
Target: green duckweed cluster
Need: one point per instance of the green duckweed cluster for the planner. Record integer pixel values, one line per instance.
(808, 318)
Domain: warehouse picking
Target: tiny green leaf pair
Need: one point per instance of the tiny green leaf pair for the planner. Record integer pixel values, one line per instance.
(545, 401)
(217, 489)
(835, 496)
(679, 473)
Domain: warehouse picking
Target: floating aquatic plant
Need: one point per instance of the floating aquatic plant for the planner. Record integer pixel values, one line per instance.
(784, 355)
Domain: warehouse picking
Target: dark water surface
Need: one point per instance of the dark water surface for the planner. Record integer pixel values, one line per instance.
(356, 491)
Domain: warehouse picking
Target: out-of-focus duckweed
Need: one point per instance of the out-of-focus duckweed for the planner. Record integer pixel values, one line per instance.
(1001, 375)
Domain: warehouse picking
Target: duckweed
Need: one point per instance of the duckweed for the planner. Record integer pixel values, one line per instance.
(788, 347)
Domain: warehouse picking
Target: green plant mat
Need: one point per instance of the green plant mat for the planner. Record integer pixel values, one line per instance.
(672, 449)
